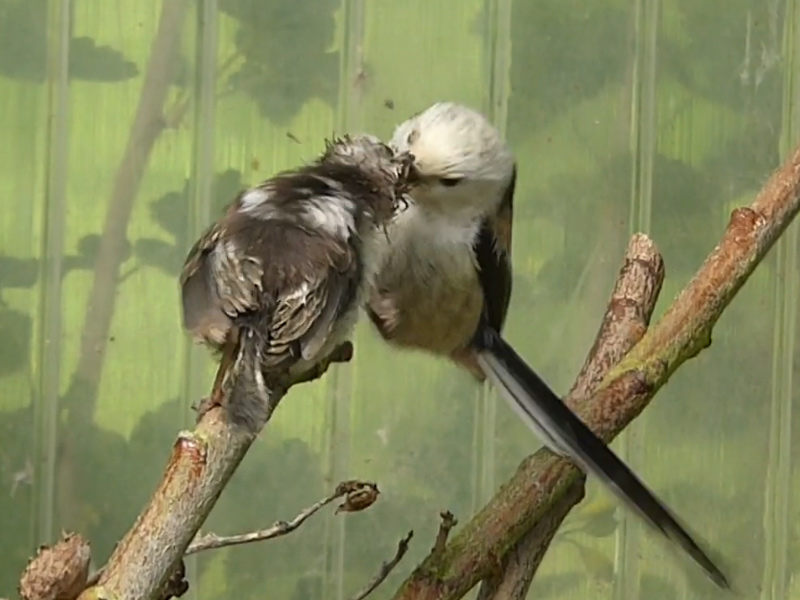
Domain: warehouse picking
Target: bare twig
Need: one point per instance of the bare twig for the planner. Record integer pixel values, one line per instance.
(445, 527)
(201, 464)
(542, 480)
(211, 541)
(386, 568)
(625, 322)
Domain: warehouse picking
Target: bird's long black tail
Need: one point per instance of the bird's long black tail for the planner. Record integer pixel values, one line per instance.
(564, 433)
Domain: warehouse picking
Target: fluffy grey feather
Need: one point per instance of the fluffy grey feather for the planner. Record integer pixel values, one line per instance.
(276, 283)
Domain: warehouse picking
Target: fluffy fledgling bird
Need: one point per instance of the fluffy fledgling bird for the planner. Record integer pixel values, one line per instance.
(445, 288)
(277, 282)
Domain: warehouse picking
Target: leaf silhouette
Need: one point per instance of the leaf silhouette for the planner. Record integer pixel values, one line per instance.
(600, 525)
(16, 329)
(18, 272)
(23, 31)
(90, 62)
(159, 254)
(171, 212)
(88, 247)
(596, 562)
(277, 80)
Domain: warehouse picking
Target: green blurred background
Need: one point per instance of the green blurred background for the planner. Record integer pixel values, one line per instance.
(626, 115)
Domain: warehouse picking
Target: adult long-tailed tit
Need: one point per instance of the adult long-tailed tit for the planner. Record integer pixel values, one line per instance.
(445, 288)
(277, 282)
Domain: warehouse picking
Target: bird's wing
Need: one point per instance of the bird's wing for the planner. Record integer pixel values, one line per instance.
(286, 284)
(201, 298)
(493, 255)
(321, 278)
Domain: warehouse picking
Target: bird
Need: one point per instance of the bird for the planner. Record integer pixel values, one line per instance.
(445, 284)
(275, 285)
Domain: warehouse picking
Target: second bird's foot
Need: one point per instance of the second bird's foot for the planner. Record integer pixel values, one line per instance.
(203, 406)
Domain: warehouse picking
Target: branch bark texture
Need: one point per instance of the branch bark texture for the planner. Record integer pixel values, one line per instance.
(543, 480)
(201, 464)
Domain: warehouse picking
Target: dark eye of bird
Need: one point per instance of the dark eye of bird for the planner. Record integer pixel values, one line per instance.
(450, 181)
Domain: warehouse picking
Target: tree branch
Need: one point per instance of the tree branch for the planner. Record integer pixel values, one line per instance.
(386, 568)
(201, 464)
(543, 480)
(445, 527)
(625, 322)
(212, 541)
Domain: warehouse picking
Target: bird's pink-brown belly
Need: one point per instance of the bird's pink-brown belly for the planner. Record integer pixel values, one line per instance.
(437, 313)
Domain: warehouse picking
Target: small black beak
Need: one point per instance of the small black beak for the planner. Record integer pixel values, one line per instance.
(414, 177)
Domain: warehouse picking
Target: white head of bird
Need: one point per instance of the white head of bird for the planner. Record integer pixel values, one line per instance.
(463, 164)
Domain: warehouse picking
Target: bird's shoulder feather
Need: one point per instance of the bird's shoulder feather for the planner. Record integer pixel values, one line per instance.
(280, 279)
(493, 255)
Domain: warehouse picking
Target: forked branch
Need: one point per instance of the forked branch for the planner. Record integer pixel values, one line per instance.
(625, 322)
(543, 481)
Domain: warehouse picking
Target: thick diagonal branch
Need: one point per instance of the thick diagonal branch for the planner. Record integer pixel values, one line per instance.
(201, 464)
(542, 480)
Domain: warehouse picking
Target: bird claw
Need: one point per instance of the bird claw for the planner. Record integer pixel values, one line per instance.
(340, 354)
(204, 405)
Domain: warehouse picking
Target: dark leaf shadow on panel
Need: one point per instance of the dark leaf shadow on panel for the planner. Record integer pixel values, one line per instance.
(171, 212)
(18, 272)
(276, 479)
(685, 201)
(16, 493)
(23, 31)
(563, 53)
(285, 46)
(15, 331)
(102, 468)
(729, 53)
(23, 273)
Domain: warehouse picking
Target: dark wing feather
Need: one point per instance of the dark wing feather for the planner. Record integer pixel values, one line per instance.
(314, 295)
(286, 284)
(493, 254)
(202, 301)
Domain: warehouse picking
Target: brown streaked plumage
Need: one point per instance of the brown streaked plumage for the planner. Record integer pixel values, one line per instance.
(445, 287)
(276, 283)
